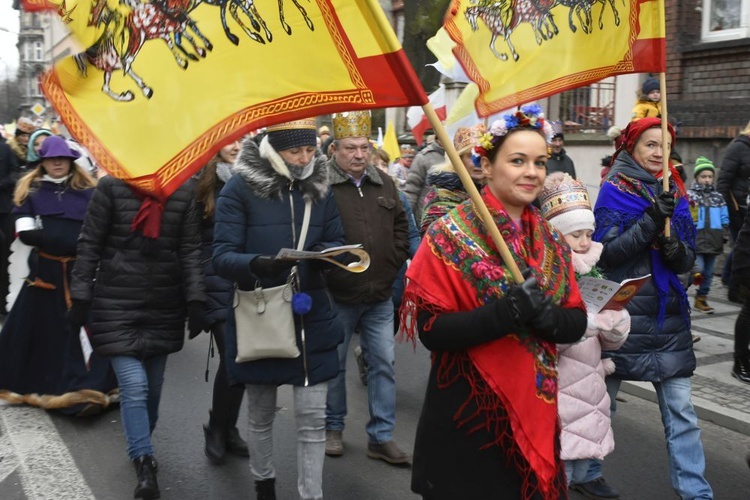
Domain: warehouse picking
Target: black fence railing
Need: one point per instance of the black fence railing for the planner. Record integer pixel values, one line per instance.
(588, 109)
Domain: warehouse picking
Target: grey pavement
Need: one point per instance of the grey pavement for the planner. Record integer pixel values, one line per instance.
(717, 396)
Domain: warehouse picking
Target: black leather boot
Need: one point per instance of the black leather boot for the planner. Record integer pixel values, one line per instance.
(266, 489)
(216, 437)
(147, 488)
(741, 369)
(235, 444)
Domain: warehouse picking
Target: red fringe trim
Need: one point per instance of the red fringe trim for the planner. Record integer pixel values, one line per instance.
(483, 409)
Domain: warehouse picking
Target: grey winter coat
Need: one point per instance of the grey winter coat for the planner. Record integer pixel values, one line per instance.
(416, 187)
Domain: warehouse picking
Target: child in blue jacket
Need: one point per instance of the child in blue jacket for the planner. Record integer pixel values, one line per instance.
(711, 217)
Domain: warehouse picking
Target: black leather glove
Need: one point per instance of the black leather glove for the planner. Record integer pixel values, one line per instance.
(34, 238)
(545, 321)
(672, 249)
(78, 314)
(525, 300)
(267, 266)
(662, 208)
(197, 321)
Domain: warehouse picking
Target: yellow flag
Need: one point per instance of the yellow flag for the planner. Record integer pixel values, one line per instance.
(163, 85)
(390, 142)
(524, 50)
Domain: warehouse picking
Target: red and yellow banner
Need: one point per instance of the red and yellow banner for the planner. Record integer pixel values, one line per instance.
(37, 5)
(164, 84)
(525, 50)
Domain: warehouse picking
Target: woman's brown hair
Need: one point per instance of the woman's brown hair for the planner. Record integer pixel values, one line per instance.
(80, 179)
(205, 187)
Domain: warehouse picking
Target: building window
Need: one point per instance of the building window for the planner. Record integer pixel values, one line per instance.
(589, 109)
(725, 20)
(37, 51)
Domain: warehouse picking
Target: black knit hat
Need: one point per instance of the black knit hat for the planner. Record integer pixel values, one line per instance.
(650, 85)
(293, 134)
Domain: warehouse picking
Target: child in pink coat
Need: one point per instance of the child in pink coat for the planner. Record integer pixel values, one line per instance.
(583, 402)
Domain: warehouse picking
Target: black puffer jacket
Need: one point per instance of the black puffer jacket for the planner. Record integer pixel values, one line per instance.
(138, 301)
(734, 179)
(652, 352)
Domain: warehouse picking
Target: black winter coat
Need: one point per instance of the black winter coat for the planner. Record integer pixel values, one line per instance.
(650, 353)
(254, 217)
(734, 179)
(138, 301)
(561, 163)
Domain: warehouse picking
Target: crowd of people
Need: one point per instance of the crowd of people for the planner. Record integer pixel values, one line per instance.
(524, 373)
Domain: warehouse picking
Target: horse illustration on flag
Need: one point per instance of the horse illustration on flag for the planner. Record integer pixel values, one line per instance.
(502, 18)
(126, 25)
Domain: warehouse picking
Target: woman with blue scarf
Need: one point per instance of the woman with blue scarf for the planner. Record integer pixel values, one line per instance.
(631, 211)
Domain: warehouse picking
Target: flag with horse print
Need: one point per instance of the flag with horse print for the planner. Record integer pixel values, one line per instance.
(163, 84)
(518, 51)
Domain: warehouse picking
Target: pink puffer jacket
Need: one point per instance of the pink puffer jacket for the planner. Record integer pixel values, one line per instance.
(583, 402)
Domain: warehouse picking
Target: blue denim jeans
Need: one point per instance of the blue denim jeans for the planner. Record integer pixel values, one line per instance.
(375, 324)
(687, 463)
(705, 263)
(310, 413)
(140, 392)
(576, 471)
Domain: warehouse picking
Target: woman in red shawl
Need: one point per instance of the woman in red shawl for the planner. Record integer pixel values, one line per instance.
(489, 426)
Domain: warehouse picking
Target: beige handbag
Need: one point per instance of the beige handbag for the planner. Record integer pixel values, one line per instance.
(263, 317)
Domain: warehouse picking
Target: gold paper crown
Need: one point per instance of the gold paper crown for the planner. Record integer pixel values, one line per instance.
(351, 124)
(468, 137)
(307, 123)
(563, 194)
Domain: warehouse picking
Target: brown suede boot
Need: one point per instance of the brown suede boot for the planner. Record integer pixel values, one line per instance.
(702, 305)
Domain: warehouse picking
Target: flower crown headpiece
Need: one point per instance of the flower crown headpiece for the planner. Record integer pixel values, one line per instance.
(529, 116)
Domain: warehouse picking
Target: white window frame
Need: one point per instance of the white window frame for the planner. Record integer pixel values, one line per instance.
(743, 31)
(38, 51)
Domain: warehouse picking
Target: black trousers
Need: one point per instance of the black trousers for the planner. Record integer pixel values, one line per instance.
(225, 407)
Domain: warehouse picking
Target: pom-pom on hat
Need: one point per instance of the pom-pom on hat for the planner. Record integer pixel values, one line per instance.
(293, 134)
(57, 147)
(565, 203)
(702, 163)
(649, 85)
(352, 124)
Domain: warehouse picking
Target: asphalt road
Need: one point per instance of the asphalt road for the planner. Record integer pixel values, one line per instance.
(64, 458)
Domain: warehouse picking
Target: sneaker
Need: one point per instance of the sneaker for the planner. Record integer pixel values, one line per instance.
(334, 443)
(741, 370)
(361, 364)
(388, 451)
(597, 489)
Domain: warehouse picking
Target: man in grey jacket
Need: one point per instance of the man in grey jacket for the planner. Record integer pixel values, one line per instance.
(416, 187)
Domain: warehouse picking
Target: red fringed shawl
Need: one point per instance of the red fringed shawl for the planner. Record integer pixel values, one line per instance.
(458, 269)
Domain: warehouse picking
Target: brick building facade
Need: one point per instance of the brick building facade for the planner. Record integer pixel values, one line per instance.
(708, 75)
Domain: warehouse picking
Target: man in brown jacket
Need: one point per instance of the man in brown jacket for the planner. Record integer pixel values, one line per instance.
(372, 215)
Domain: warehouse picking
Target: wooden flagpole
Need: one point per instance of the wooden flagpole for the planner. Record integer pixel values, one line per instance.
(666, 143)
(471, 189)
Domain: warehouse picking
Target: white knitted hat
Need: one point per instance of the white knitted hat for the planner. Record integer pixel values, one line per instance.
(565, 203)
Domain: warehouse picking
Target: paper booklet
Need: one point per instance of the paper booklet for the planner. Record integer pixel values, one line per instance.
(327, 255)
(601, 294)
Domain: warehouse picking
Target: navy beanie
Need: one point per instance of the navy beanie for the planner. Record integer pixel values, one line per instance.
(650, 85)
(292, 138)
